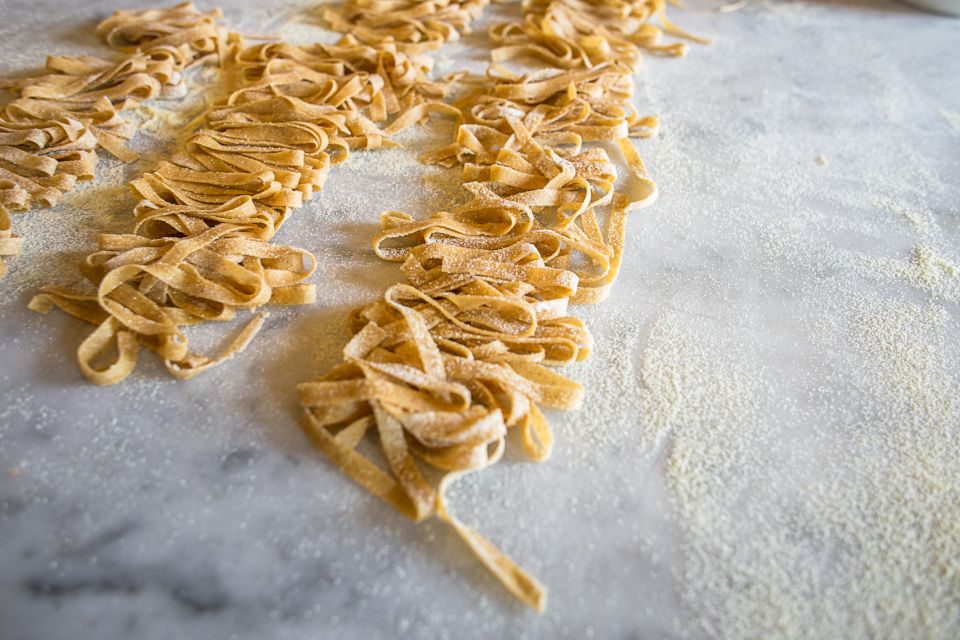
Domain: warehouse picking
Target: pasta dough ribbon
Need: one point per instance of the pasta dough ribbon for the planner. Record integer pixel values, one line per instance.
(488, 284)
(50, 131)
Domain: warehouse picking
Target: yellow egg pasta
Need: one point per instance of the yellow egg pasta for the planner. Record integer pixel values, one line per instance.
(50, 131)
(10, 243)
(446, 363)
(199, 250)
(412, 26)
(442, 367)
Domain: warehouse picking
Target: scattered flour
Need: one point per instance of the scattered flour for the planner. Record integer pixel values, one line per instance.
(808, 420)
(926, 269)
(816, 499)
(851, 530)
(918, 215)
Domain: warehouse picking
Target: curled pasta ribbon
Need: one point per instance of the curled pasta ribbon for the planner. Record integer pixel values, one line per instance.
(522, 585)
(50, 132)
(387, 81)
(268, 147)
(353, 87)
(443, 376)
(261, 153)
(525, 184)
(567, 34)
(10, 243)
(412, 26)
(194, 34)
(460, 353)
(149, 290)
(559, 111)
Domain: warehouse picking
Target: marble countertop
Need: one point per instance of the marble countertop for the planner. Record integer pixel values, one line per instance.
(807, 158)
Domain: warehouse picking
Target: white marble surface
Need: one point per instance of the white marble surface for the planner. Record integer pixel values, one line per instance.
(162, 509)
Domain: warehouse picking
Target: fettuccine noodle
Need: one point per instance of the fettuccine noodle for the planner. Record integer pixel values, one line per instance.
(446, 363)
(199, 249)
(449, 361)
(412, 26)
(10, 243)
(50, 132)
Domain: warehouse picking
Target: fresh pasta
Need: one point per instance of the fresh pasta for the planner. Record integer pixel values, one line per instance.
(569, 34)
(10, 243)
(200, 251)
(412, 26)
(448, 362)
(148, 290)
(50, 132)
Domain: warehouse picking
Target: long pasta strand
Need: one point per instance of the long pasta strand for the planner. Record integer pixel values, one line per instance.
(449, 361)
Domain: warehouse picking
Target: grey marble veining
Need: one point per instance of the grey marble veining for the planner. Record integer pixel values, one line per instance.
(160, 509)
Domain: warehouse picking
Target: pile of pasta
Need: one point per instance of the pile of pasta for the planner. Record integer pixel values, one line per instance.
(411, 26)
(569, 34)
(50, 131)
(448, 363)
(200, 246)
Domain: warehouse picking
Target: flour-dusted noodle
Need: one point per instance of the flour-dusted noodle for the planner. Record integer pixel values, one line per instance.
(413, 26)
(522, 585)
(50, 132)
(148, 291)
(10, 243)
(446, 363)
(570, 34)
(577, 187)
(205, 215)
(412, 370)
(193, 34)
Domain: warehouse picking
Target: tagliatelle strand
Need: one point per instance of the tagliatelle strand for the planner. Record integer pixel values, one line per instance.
(414, 27)
(444, 365)
(50, 132)
(489, 283)
(206, 214)
(523, 586)
(10, 243)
